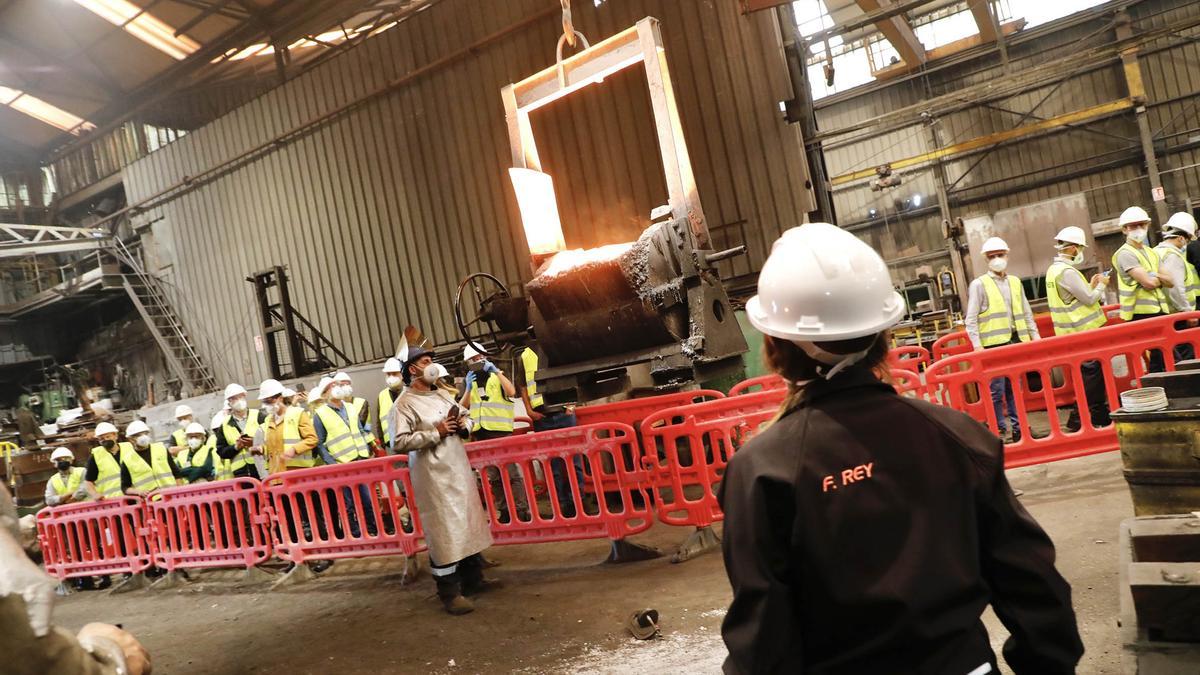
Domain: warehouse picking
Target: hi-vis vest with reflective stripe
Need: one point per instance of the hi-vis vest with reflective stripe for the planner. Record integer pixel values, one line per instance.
(197, 460)
(385, 408)
(146, 477)
(291, 437)
(345, 442)
(494, 414)
(74, 480)
(529, 359)
(231, 435)
(997, 323)
(1074, 316)
(1134, 298)
(1191, 282)
(179, 439)
(108, 480)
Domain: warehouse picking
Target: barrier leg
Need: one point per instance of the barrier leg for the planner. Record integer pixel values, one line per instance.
(63, 589)
(624, 551)
(299, 574)
(133, 582)
(171, 580)
(703, 540)
(258, 575)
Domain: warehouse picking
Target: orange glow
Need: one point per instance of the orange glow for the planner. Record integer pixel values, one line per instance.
(539, 210)
(578, 257)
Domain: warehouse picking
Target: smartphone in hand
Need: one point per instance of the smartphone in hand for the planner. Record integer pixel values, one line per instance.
(454, 413)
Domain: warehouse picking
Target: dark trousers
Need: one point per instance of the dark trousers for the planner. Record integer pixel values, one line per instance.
(515, 480)
(558, 466)
(1096, 395)
(1156, 362)
(451, 578)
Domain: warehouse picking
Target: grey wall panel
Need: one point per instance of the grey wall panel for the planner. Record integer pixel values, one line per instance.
(379, 214)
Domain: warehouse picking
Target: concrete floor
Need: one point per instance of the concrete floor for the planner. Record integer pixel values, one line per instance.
(561, 610)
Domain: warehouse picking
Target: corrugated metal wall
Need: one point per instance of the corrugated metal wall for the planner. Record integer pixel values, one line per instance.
(380, 214)
(1105, 151)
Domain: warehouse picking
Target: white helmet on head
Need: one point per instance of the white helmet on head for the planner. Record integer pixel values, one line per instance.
(288, 392)
(195, 428)
(1072, 235)
(135, 428)
(993, 245)
(219, 418)
(470, 352)
(822, 283)
(1133, 215)
(393, 365)
(62, 453)
(105, 428)
(269, 389)
(234, 390)
(1183, 222)
(183, 411)
(319, 390)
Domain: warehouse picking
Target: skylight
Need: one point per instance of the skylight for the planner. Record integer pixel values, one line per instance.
(42, 111)
(143, 26)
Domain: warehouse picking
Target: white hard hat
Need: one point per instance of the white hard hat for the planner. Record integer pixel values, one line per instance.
(1133, 214)
(219, 419)
(288, 392)
(1182, 221)
(319, 390)
(1072, 235)
(183, 411)
(195, 428)
(469, 353)
(822, 283)
(61, 453)
(105, 428)
(233, 390)
(341, 376)
(136, 427)
(269, 389)
(393, 365)
(994, 244)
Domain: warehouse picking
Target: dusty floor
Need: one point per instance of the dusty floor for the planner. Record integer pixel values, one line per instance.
(561, 610)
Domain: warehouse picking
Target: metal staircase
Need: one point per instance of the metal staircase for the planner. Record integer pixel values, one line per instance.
(304, 349)
(146, 292)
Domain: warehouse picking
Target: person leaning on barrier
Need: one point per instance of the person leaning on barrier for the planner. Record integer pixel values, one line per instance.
(867, 532)
(66, 485)
(1141, 285)
(102, 476)
(998, 314)
(1075, 306)
(145, 465)
(341, 440)
(443, 484)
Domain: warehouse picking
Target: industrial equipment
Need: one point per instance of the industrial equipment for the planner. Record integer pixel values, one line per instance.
(594, 313)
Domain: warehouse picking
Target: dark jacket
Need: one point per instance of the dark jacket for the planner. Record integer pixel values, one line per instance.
(866, 532)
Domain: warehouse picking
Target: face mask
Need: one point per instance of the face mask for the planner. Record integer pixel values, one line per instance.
(347, 391)
(183, 423)
(998, 264)
(194, 443)
(108, 444)
(433, 372)
(63, 464)
(143, 441)
(1139, 235)
(394, 381)
(239, 405)
(1077, 259)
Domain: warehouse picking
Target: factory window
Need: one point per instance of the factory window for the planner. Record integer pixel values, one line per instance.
(812, 16)
(142, 25)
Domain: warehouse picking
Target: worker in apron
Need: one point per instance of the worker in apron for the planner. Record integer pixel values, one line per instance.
(867, 532)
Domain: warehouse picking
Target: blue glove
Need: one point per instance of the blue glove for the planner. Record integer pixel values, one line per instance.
(470, 382)
(491, 368)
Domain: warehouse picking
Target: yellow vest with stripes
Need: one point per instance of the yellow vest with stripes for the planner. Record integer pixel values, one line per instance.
(201, 457)
(344, 442)
(179, 439)
(1191, 281)
(1134, 298)
(529, 359)
(291, 437)
(997, 323)
(231, 434)
(144, 476)
(108, 480)
(385, 408)
(71, 485)
(494, 414)
(1070, 316)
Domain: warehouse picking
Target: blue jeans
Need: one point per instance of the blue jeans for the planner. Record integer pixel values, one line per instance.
(558, 467)
(1002, 396)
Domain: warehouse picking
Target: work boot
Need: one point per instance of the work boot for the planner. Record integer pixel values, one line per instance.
(319, 566)
(449, 591)
(470, 571)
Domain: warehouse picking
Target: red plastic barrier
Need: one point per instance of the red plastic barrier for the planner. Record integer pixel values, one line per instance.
(94, 538)
(757, 384)
(909, 357)
(634, 410)
(604, 456)
(1127, 342)
(686, 449)
(920, 386)
(321, 496)
(220, 524)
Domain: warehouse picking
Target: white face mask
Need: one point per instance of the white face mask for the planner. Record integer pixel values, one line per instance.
(432, 373)
(143, 441)
(394, 381)
(239, 405)
(998, 264)
(194, 443)
(1077, 259)
(183, 423)
(347, 391)
(1138, 234)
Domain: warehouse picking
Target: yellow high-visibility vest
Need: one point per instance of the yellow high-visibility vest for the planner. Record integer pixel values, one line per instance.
(108, 480)
(1074, 316)
(385, 409)
(70, 486)
(201, 457)
(153, 475)
(231, 435)
(996, 323)
(1191, 281)
(344, 439)
(291, 438)
(494, 414)
(1134, 298)
(529, 359)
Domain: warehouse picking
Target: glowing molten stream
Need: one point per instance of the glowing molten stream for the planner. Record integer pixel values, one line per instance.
(565, 261)
(539, 210)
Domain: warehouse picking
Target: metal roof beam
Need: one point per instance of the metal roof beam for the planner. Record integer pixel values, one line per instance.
(985, 19)
(898, 32)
